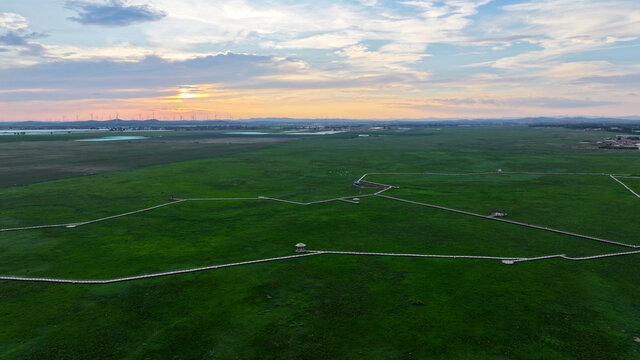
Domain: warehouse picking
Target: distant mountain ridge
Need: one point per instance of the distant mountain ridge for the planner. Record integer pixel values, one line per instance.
(273, 120)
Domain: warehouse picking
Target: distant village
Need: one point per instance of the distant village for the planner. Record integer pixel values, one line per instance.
(621, 142)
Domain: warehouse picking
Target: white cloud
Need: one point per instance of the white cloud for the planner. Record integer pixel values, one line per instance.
(367, 44)
(360, 58)
(562, 27)
(317, 26)
(343, 29)
(578, 69)
(321, 41)
(613, 39)
(12, 21)
(232, 21)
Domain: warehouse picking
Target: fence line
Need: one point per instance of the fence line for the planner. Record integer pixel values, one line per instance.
(479, 257)
(179, 200)
(385, 188)
(412, 255)
(625, 185)
(582, 258)
(511, 222)
(427, 173)
(349, 199)
(489, 173)
(505, 260)
(148, 276)
(218, 199)
(130, 213)
(70, 225)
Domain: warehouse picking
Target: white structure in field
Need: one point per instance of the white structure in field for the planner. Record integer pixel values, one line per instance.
(498, 213)
(300, 247)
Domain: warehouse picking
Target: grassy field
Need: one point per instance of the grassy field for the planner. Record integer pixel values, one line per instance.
(327, 306)
(34, 158)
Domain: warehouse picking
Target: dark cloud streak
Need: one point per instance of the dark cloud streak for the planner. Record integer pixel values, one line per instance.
(113, 13)
(541, 102)
(20, 39)
(152, 76)
(619, 80)
(104, 79)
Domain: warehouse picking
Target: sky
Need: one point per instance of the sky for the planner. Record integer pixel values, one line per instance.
(366, 59)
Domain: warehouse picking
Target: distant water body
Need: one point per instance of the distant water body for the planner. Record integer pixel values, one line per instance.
(115, 138)
(247, 133)
(316, 133)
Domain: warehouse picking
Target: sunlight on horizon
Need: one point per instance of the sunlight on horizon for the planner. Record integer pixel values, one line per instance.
(352, 59)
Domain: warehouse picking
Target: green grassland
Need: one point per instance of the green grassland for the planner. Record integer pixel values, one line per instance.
(33, 158)
(326, 306)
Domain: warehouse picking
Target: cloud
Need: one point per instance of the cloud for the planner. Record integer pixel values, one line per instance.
(561, 28)
(390, 58)
(576, 69)
(113, 13)
(536, 102)
(347, 29)
(17, 36)
(553, 54)
(12, 21)
(321, 41)
(632, 80)
(152, 76)
(557, 103)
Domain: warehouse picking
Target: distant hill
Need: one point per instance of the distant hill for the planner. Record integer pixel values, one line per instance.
(155, 123)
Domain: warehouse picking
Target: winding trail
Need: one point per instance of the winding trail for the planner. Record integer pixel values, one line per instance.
(505, 260)
(352, 200)
(148, 276)
(177, 201)
(72, 225)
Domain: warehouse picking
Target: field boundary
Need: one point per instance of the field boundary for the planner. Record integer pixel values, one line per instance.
(154, 275)
(625, 186)
(305, 253)
(354, 199)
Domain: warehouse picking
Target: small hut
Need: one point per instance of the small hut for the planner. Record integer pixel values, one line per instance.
(500, 171)
(301, 247)
(498, 213)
